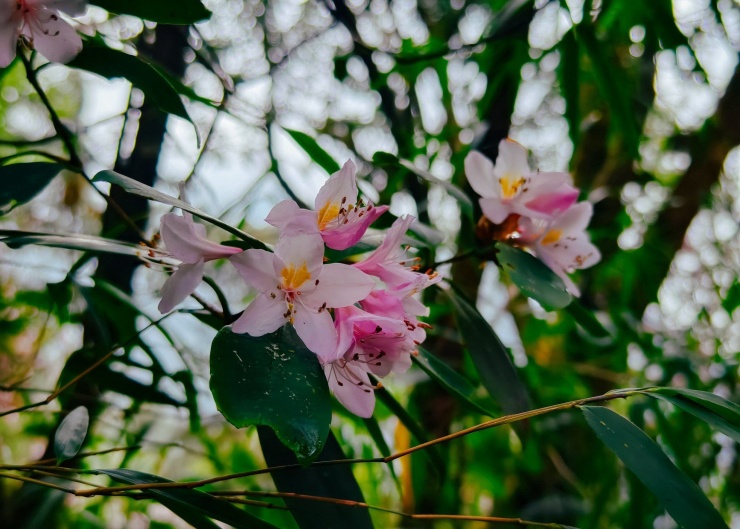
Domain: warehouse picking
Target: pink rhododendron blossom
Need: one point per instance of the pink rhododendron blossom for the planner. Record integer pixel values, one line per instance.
(339, 217)
(295, 286)
(562, 243)
(38, 22)
(511, 187)
(186, 241)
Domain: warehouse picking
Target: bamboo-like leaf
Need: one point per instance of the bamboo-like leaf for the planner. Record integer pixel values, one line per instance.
(314, 150)
(162, 11)
(71, 434)
(20, 182)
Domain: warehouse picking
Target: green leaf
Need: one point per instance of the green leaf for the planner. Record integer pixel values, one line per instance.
(329, 481)
(314, 150)
(491, 358)
(20, 182)
(710, 408)
(71, 241)
(731, 300)
(586, 319)
(137, 188)
(112, 63)
(191, 505)
(680, 496)
(533, 277)
(272, 380)
(450, 379)
(162, 11)
(71, 434)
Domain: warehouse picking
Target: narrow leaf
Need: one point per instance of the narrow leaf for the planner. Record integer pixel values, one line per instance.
(491, 358)
(71, 434)
(314, 150)
(73, 241)
(137, 188)
(680, 496)
(533, 277)
(20, 182)
(450, 379)
(586, 319)
(164, 12)
(330, 481)
(191, 505)
(272, 380)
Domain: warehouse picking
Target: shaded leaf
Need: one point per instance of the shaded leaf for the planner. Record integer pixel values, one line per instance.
(491, 358)
(72, 241)
(330, 481)
(20, 182)
(533, 277)
(191, 505)
(137, 188)
(680, 496)
(272, 380)
(586, 319)
(164, 12)
(71, 434)
(315, 151)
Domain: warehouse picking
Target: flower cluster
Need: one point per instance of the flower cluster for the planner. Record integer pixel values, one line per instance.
(39, 24)
(534, 210)
(359, 319)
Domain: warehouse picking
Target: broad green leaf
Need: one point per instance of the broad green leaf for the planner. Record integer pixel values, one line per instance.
(680, 496)
(450, 379)
(73, 241)
(712, 409)
(732, 299)
(314, 150)
(272, 380)
(71, 434)
(162, 11)
(137, 188)
(533, 277)
(112, 63)
(191, 505)
(20, 182)
(491, 358)
(329, 481)
(586, 319)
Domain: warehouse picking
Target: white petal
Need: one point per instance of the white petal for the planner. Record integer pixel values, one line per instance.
(292, 220)
(479, 172)
(344, 383)
(70, 7)
(575, 219)
(300, 250)
(511, 160)
(257, 269)
(180, 285)
(495, 210)
(263, 316)
(316, 330)
(10, 21)
(339, 285)
(342, 185)
(54, 38)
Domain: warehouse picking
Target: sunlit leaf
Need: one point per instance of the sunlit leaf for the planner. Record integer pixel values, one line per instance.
(20, 182)
(533, 277)
(680, 496)
(71, 434)
(314, 150)
(193, 506)
(272, 380)
(162, 11)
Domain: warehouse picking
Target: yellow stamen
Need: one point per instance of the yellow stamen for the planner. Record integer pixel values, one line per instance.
(510, 185)
(551, 236)
(327, 213)
(294, 277)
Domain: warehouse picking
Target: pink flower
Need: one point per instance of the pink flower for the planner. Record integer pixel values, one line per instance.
(510, 186)
(38, 22)
(562, 243)
(295, 286)
(339, 217)
(187, 241)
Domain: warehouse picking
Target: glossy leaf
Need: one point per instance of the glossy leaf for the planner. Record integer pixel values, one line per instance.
(162, 11)
(193, 506)
(450, 379)
(330, 481)
(680, 496)
(533, 277)
(272, 380)
(315, 151)
(490, 356)
(71, 434)
(112, 64)
(20, 182)
(137, 188)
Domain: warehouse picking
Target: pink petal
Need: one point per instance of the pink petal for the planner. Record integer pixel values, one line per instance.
(180, 285)
(349, 234)
(511, 160)
(292, 220)
(339, 285)
(390, 249)
(575, 219)
(344, 383)
(495, 209)
(70, 7)
(256, 267)
(263, 316)
(339, 189)
(300, 250)
(54, 38)
(556, 202)
(184, 239)
(317, 331)
(380, 302)
(479, 172)
(10, 22)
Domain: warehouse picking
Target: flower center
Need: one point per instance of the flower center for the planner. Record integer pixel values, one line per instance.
(294, 277)
(552, 236)
(510, 185)
(328, 213)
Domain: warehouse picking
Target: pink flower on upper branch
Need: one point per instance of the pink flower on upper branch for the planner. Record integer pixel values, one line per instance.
(295, 286)
(187, 241)
(339, 217)
(38, 22)
(562, 243)
(510, 186)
